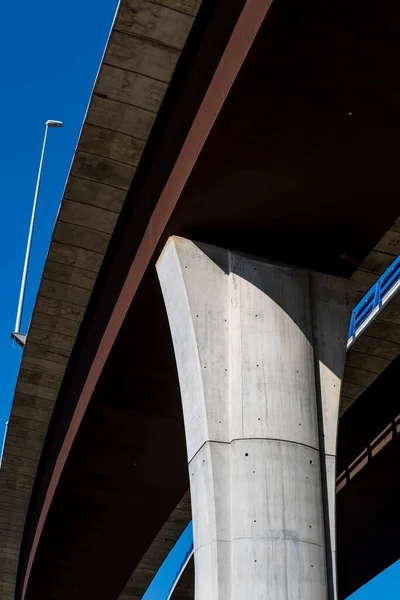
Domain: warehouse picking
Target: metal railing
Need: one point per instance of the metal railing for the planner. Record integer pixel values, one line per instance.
(188, 556)
(387, 435)
(374, 301)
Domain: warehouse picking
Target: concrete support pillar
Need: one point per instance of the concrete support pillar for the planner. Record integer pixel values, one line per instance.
(260, 352)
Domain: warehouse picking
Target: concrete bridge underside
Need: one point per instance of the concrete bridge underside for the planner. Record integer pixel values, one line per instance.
(301, 150)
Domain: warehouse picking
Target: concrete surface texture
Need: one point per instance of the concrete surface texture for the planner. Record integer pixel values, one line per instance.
(260, 351)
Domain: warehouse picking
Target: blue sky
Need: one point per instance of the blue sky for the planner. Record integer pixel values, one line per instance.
(50, 56)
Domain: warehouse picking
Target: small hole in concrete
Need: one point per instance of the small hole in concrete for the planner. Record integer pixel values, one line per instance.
(226, 369)
(197, 315)
(185, 266)
(311, 462)
(300, 424)
(259, 419)
(296, 371)
(310, 527)
(258, 365)
(246, 453)
(255, 561)
(312, 566)
(256, 315)
(204, 461)
(205, 367)
(306, 477)
(225, 320)
(253, 471)
(255, 521)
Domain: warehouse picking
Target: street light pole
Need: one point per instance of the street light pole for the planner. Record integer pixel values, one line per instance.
(17, 335)
(4, 443)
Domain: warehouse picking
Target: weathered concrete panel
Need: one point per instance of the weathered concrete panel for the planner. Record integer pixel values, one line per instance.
(75, 257)
(377, 347)
(33, 389)
(24, 481)
(364, 280)
(57, 324)
(111, 144)
(155, 22)
(28, 424)
(48, 354)
(377, 262)
(141, 56)
(396, 226)
(190, 7)
(29, 434)
(391, 313)
(88, 215)
(51, 380)
(74, 276)
(94, 192)
(131, 88)
(103, 170)
(28, 463)
(375, 364)
(82, 237)
(358, 376)
(53, 339)
(352, 390)
(59, 309)
(24, 442)
(390, 243)
(124, 118)
(63, 291)
(383, 330)
(32, 402)
(32, 413)
(24, 453)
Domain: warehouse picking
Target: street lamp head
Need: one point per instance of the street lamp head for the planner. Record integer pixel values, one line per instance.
(54, 123)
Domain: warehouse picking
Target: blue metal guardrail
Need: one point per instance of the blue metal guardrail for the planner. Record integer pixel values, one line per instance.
(363, 314)
(188, 553)
(374, 301)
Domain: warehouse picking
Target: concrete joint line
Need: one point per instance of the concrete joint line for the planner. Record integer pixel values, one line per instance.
(249, 439)
(261, 537)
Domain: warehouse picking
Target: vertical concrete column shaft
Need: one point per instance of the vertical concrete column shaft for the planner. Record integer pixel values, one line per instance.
(260, 352)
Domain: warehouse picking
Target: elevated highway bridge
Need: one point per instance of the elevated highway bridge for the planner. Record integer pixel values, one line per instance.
(268, 129)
